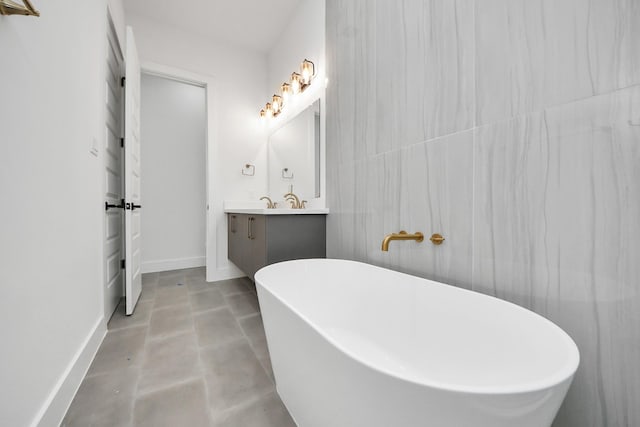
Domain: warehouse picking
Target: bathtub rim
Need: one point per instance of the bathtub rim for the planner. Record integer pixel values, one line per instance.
(565, 373)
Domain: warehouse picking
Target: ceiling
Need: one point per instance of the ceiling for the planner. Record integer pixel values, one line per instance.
(253, 24)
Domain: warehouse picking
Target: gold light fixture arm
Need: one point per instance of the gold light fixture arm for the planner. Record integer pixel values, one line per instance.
(9, 7)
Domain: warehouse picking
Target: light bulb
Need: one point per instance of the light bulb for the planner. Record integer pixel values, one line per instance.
(276, 104)
(295, 83)
(285, 89)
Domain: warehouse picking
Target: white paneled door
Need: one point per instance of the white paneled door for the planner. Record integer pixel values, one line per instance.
(113, 165)
(133, 280)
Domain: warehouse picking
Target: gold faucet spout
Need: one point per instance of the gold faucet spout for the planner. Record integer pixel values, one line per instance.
(402, 235)
(295, 201)
(270, 204)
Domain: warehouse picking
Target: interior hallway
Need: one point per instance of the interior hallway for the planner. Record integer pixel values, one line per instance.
(193, 354)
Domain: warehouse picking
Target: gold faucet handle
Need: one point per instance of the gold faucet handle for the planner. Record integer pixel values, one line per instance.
(303, 204)
(291, 201)
(436, 239)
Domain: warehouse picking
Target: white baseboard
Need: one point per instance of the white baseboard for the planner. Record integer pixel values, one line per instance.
(55, 407)
(172, 264)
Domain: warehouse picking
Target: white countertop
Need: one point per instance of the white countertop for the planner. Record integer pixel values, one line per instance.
(278, 211)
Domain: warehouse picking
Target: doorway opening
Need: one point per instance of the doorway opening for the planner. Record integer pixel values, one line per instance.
(174, 172)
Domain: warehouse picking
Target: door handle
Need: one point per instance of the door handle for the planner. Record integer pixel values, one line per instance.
(250, 227)
(108, 205)
(233, 223)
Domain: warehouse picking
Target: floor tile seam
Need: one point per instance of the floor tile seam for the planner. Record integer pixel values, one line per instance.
(264, 367)
(154, 338)
(206, 310)
(223, 344)
(235, 293)
(120, 328)
(246, 403)
(207, 393)
(169, 306)
(149, 339)
(109, 373)
(222, 307)
(184, 381)
(160, 292)
(200, 291)
(246, 316)
(253, 350)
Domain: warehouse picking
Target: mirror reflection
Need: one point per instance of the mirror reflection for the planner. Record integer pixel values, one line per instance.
(294, 155)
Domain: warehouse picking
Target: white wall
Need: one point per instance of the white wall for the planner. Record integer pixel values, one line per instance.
(51, 108)
(173, 128)
(238, 137)
(302, 38)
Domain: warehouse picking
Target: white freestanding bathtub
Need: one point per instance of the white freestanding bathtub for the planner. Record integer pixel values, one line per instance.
(357, 345)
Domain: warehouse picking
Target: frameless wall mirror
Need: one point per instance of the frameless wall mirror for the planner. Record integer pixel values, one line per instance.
(294, 155)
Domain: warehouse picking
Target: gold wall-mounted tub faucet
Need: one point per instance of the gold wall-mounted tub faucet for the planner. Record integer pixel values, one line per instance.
(402, 235)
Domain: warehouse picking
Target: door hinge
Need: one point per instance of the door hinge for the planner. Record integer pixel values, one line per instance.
(123, 263)
(122, 142)
(122, 81)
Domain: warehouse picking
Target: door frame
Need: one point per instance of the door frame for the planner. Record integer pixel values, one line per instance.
(216, 268)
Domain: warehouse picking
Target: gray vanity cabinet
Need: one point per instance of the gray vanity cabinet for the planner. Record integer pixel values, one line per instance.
(258, 240)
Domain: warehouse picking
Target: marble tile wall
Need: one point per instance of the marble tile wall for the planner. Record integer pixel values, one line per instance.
(512, 127)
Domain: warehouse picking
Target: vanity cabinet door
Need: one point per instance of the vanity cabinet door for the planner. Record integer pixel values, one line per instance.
(237, 238)
(295, 237)
(257, 244)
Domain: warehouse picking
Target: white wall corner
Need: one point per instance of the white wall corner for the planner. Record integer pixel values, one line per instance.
(55, 407)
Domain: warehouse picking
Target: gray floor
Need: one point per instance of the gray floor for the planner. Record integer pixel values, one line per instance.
(193, 354)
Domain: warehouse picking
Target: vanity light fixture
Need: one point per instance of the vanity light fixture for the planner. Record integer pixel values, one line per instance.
(308, 71)
(297, 84)
(268, 111)
(285, 90)
(9, 7)
(276, 105)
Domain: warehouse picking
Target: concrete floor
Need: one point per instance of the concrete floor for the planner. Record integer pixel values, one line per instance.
(193, 354)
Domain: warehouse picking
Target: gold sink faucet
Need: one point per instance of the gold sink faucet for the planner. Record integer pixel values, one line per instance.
(270, 203)
(402, 235)
(295, 201)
